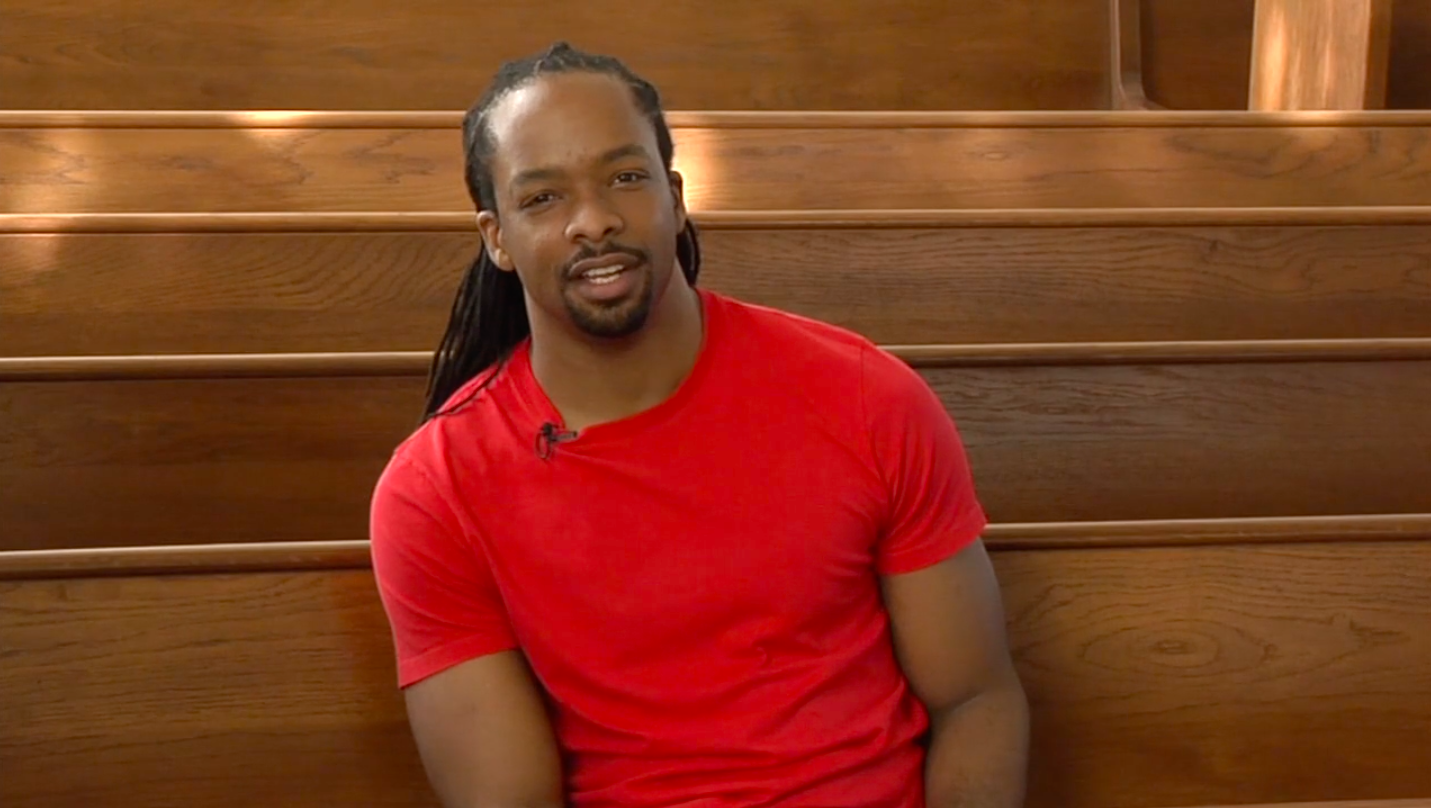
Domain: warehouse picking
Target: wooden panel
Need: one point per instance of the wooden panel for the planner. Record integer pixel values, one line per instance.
(196, 461)
(1171, 441)
(223, 691)
(1408, 80)
(180, 461)
(1176, 676)
(1224, 675)
(227, 293)
(740, 54)
(391, 291)
(1320, 54)
(1198, 55)
(1023, 164)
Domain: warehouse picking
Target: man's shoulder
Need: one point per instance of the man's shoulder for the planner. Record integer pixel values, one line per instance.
(824, 357)
(468, 424)
(784, 336)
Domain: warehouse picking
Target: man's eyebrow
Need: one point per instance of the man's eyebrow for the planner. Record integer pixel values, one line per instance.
(629, 150)
(539, 174)
(535, 174)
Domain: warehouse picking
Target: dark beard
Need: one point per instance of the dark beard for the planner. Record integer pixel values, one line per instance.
(619, 319)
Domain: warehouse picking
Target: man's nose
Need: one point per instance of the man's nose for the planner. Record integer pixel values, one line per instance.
(595, 219)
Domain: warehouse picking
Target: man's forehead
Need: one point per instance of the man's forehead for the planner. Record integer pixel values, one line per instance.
(578, 113)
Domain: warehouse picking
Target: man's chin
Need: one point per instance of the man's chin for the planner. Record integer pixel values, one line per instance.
(613, 319)
(616, 320)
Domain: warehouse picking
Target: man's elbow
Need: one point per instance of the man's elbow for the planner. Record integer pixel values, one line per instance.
(1001, 695)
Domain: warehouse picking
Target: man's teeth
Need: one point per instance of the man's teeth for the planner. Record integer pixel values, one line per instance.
(603, 273)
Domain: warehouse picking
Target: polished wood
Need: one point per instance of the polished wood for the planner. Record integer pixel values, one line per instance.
(1126, 55)
(440, 54)
(226, 460)
(1069, 276)
(225, 691)
(202, 559)
(1320, 54)
(1224, 675)
(196, 559)
(741, 166)
(1153, 533)
(791, 219)
(1407, 803)
(416, 363)
(717, 119)
(1408, 81)
(1197, 55)
(1159, 441)
(1176, 676)
(196, 461)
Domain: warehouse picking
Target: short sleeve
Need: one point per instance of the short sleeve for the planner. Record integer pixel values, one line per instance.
(932, 508)
(441, 600)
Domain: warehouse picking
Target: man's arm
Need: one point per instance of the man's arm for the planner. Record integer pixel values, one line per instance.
(485, 737)
(949, 633)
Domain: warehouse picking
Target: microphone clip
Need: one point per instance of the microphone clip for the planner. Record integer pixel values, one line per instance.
(548, 437)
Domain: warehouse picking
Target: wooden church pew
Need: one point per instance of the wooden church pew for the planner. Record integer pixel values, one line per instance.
(263, 448)
(166, 284)
(438, 54)
(1168, 664)
(93, 162)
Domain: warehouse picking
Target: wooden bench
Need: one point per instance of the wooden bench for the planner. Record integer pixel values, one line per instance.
(1138, 362)
(93, 162)
(262, 448)
(743, 54)
(1196, 55)
(176, 283)
(1103, 364)
(1168, 664)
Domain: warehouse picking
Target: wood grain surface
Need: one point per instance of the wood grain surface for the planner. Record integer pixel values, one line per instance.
(354, 554)
(218, 690)
(1227, 675)
(1294, 42)
(270, 168)
(1180, 676)
(109, 294)
(182, 461)
(439, 54)
(196, 461)
(1194, 441)
(1198, 55)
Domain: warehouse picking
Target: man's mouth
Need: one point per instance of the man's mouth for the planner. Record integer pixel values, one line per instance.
(606, 268)
(603, 275)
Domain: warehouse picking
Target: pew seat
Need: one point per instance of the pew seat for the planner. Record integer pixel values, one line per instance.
(255, 448)
(1168, 664)
(117, 162)
(313, 282)
(243, 378)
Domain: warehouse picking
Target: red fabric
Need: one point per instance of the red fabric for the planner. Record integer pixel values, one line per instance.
(696, 586)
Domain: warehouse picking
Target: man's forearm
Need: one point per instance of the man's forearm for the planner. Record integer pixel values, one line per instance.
(978, 752)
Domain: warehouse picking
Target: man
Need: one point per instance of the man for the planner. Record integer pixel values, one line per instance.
(653, 546)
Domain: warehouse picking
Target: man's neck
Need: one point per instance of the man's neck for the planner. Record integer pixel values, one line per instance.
(593, 382)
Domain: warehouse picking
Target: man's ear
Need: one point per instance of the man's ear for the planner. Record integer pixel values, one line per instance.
(492, 240)
(678, 194)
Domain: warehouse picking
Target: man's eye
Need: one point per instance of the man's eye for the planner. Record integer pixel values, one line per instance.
(539, 199)
(630, 176)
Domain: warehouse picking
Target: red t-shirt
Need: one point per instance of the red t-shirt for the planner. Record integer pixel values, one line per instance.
(695, 586)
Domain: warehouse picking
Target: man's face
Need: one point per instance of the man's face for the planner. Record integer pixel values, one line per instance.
(586, 214)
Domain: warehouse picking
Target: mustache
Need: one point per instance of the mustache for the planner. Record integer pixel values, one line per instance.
(588, 253)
